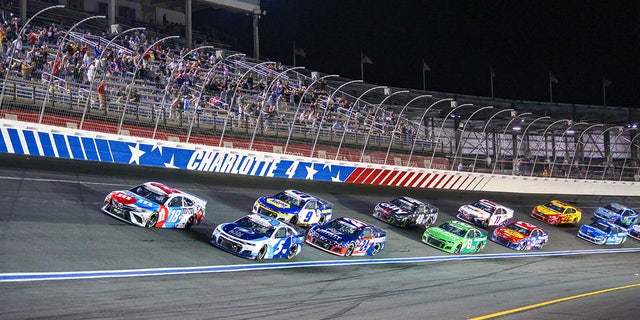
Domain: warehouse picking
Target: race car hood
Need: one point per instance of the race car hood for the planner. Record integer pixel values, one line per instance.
(547, 211)
(606, 213)
(278, 205)
(332, 234)
(509, 234)
(443, 234)
(242, 233)
(131, 199)
(393, 209)
(474, 212)
(592, 231)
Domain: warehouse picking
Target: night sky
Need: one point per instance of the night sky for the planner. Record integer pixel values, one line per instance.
(580, 42)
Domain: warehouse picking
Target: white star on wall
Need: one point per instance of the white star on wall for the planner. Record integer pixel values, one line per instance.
(170, 164)
(336, 178)
(136, 153)
(155, 146)
(310, 172)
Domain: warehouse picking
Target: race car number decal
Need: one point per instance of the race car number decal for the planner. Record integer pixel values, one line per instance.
(420, 219)
(174, 215)
(469, 244)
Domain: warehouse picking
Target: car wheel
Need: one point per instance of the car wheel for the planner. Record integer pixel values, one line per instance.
(151, 222)
(605, 240)
(189, 223)
(293, 251)
(262, 253)
(458, 248)
(322, 220)
(294, 220)
(523, 246)
(480, 246)
(350, 249)
(623, 240)
(376, 249)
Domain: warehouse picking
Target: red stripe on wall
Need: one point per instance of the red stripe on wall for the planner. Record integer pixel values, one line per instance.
(354, 175)
(373, 176)
(435, 176)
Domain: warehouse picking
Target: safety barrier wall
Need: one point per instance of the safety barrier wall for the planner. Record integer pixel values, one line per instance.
(24, 138)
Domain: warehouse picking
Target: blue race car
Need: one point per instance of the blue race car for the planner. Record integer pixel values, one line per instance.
(258, 237)
(603, 232)
(634, 231)
(295, 207)
(618, 214)
(346, 237)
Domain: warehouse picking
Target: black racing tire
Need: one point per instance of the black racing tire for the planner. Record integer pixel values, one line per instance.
(480, 246)
(189, 223)
(262, 253)
(349, 251)
(458, 249)
(376, 249)
(322, 220)
(293, 251)
(153, 219)
(523, 247)
(294, 220)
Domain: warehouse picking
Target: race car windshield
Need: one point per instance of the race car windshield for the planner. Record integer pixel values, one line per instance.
(249, 224)
(519, 229)
(288, 199)
(343, 227)
(453, 229)
(601, 226)
(614, 209)
(404, 204)
(147, 193)
(554, 207)
(483, 207)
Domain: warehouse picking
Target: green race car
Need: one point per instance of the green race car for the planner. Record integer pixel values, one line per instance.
(455, 237)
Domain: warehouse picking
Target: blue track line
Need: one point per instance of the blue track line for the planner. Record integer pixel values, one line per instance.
(77, 275)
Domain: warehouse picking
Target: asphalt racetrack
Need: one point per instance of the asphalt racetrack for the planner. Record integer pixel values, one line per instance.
(62, 258)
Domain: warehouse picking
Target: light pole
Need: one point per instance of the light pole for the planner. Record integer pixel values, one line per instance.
(575, 153)
(524, 133)
(304, 93)
(375, 114)
(235, 91)
(267, 92)
(329, 100)
(620, 128)
(553, 164)
(484, 129)
(55, 61)
(395, 128)
(421, 121)
(10, 59)
(137, 64)
(206, 78)
(544, 133)
(625, 158)
(503, 133)
(435, 146)
(344, 132)
(90, 93)
(455, 155)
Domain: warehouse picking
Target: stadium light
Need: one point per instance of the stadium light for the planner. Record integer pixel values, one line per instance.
(485, 140)
(453, 109)
(375, 114)
(544, 133)
(458, 148)
(420, 123)
(504, 132)
(386, 157)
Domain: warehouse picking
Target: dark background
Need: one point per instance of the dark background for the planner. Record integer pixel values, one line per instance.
(580, 42)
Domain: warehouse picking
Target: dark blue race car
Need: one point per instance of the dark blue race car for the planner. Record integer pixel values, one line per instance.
(603, 232)
(618, 214)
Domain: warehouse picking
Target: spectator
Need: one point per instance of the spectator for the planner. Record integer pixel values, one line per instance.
(102, 91)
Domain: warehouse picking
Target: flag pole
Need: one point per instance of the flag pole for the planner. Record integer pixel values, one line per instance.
(361, 66)
(424, 81)
(491, 76)
(550, 88)
(294, 53)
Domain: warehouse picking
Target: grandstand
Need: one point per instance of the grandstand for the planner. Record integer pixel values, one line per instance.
(157, 86)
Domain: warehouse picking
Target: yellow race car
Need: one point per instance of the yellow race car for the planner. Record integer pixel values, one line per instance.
(557, 212)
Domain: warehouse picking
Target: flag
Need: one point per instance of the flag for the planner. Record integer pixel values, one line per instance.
(425, 67)
(299, 52)
(366, 59)
(606, 82)
(552, 78)
(493, 74)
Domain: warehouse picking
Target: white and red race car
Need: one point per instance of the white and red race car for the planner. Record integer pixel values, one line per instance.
(485, 213)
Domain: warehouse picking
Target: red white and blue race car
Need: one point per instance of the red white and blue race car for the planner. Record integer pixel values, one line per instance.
(347, 236)
(155, 205)
(257, 236)
(520, 235)
(485, 213)
(405, 211)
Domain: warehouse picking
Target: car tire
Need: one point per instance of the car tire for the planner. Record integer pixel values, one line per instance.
(293, 251)
(322, 220)
(189, 223)
(294, 220)
(350, 249)
(151, 222)
(479, 247)
(262, 253)
(376, 249)
(458, 248)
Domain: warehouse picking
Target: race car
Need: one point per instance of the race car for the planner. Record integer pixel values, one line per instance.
(405, 211)
(556, 212)
(485, 213)
(634, 231)
(618, 214)
(455, 237)
(520, 235)
(295, 207)
(346, 237)
(603, 232)
(155, 205)
(257, 236)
